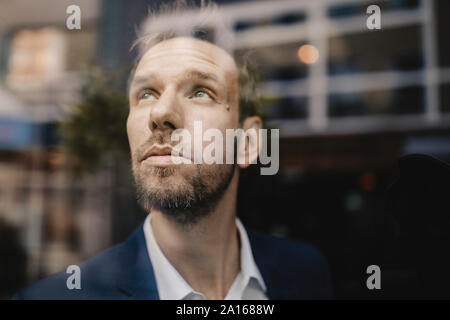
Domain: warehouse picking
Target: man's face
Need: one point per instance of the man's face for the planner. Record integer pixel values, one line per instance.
(177, 82)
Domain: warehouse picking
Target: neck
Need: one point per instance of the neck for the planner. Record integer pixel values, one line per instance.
(207, 253)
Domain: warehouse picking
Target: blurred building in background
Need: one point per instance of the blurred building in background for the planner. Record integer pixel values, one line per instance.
(348, 101)
(57, 220)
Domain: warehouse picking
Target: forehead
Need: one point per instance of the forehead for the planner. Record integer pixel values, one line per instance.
(186, 53)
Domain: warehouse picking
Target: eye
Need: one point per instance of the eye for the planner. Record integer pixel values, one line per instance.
(201, 94)
(146, 94)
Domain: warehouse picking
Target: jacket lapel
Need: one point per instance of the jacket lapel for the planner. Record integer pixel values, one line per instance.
(268, 264)
(137, 279)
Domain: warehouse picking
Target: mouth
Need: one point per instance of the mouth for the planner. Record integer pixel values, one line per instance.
(161, 156)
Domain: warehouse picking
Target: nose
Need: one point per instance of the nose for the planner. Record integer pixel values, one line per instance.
(165, 115)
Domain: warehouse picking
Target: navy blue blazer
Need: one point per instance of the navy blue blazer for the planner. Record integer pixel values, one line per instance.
(291, 270)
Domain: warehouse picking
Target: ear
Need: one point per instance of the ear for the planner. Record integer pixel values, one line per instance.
(249, 143)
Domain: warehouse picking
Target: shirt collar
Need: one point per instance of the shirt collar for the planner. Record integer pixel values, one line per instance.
(249, 269)
(172, 286)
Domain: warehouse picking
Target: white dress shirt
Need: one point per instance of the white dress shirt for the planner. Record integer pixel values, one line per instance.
(248, 285)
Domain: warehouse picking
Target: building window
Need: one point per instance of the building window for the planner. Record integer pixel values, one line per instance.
(36, 57)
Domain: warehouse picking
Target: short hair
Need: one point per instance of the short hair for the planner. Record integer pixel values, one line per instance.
(249, 99)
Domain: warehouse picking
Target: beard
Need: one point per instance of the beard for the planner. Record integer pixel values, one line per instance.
(185, 193)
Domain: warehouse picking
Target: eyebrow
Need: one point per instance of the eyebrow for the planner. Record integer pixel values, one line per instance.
(195, 74)
(140, 80)
(202, 75)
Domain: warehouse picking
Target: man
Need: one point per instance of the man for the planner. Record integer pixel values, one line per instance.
(191, 245)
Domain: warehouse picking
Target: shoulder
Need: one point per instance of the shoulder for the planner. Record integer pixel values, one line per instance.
(285, 249)
(97, 275)
(298, 267)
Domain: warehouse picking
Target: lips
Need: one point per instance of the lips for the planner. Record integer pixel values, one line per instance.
(157, 150)
(161, 155)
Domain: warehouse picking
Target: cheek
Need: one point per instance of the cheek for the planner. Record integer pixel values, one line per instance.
(219, 117)
(213, 120)
(135, 130)
(220, 121)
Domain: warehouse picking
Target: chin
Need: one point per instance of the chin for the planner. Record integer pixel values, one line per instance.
(165, 181)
